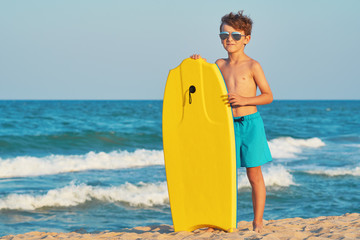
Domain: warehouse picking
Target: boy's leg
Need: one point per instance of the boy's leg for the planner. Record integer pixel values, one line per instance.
(258, 195)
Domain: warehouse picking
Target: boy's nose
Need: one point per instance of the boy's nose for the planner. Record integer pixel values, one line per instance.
(230, 38)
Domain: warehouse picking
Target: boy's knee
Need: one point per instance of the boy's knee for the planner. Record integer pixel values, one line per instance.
(255, 175)
(255, 180)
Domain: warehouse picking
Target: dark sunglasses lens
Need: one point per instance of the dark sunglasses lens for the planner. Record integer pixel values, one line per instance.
(223, 36)
(236, 36)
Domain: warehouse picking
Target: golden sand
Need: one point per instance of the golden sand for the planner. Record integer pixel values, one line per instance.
(346, 226)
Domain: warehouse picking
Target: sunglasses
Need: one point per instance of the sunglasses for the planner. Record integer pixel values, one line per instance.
(235, 35)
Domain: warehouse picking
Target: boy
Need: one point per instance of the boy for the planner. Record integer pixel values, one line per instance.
(242, 76)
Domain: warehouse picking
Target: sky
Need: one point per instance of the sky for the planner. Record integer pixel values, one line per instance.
(117, 49)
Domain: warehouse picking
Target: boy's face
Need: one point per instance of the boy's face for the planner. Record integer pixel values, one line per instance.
(230, 44)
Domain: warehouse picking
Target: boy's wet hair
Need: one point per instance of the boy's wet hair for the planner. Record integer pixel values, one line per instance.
(238, 21)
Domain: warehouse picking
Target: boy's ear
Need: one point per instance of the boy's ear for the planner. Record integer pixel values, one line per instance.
(247, 39)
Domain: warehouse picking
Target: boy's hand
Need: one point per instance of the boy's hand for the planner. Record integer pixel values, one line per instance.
(197, 56)
(236, 100)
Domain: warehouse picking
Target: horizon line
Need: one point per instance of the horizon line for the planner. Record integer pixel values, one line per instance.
(86, 99)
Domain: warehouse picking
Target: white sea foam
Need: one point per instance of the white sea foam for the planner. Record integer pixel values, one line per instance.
(274, 175)
(136, 195)
(283, 147)
(337, 172)
(288, 147)
(139, 195)
(54, 164)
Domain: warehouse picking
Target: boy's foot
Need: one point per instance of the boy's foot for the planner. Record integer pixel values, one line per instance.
(258, 227)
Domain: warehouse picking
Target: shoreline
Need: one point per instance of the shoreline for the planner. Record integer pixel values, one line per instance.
(346, 226)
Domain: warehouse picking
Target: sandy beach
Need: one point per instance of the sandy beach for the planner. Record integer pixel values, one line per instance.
(346, 226)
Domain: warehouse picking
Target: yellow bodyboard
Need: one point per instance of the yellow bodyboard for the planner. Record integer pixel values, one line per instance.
(199, 148)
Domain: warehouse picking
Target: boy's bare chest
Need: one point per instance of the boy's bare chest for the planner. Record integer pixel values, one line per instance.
(238, 79)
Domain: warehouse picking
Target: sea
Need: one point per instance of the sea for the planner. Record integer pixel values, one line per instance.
(93, 166)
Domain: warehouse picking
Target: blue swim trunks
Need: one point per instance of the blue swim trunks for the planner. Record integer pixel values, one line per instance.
(252, 149)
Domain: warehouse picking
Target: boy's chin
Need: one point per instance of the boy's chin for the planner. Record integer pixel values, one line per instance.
(231, 50)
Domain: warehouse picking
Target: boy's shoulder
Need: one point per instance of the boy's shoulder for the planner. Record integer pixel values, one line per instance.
(220, 61)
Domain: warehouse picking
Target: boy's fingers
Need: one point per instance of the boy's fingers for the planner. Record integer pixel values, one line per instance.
(197, 56)
(232, 101)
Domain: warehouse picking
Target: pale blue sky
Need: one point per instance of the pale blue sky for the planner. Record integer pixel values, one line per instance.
(107, 49)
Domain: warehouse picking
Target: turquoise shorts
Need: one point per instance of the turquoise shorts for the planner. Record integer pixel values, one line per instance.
(252, 149)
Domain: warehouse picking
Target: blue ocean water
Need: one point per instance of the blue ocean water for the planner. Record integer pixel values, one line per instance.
(98, 165)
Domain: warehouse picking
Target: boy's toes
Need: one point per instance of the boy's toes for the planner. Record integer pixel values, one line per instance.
(258, 227)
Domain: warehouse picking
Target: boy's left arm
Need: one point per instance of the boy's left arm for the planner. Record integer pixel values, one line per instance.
(266, 95)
